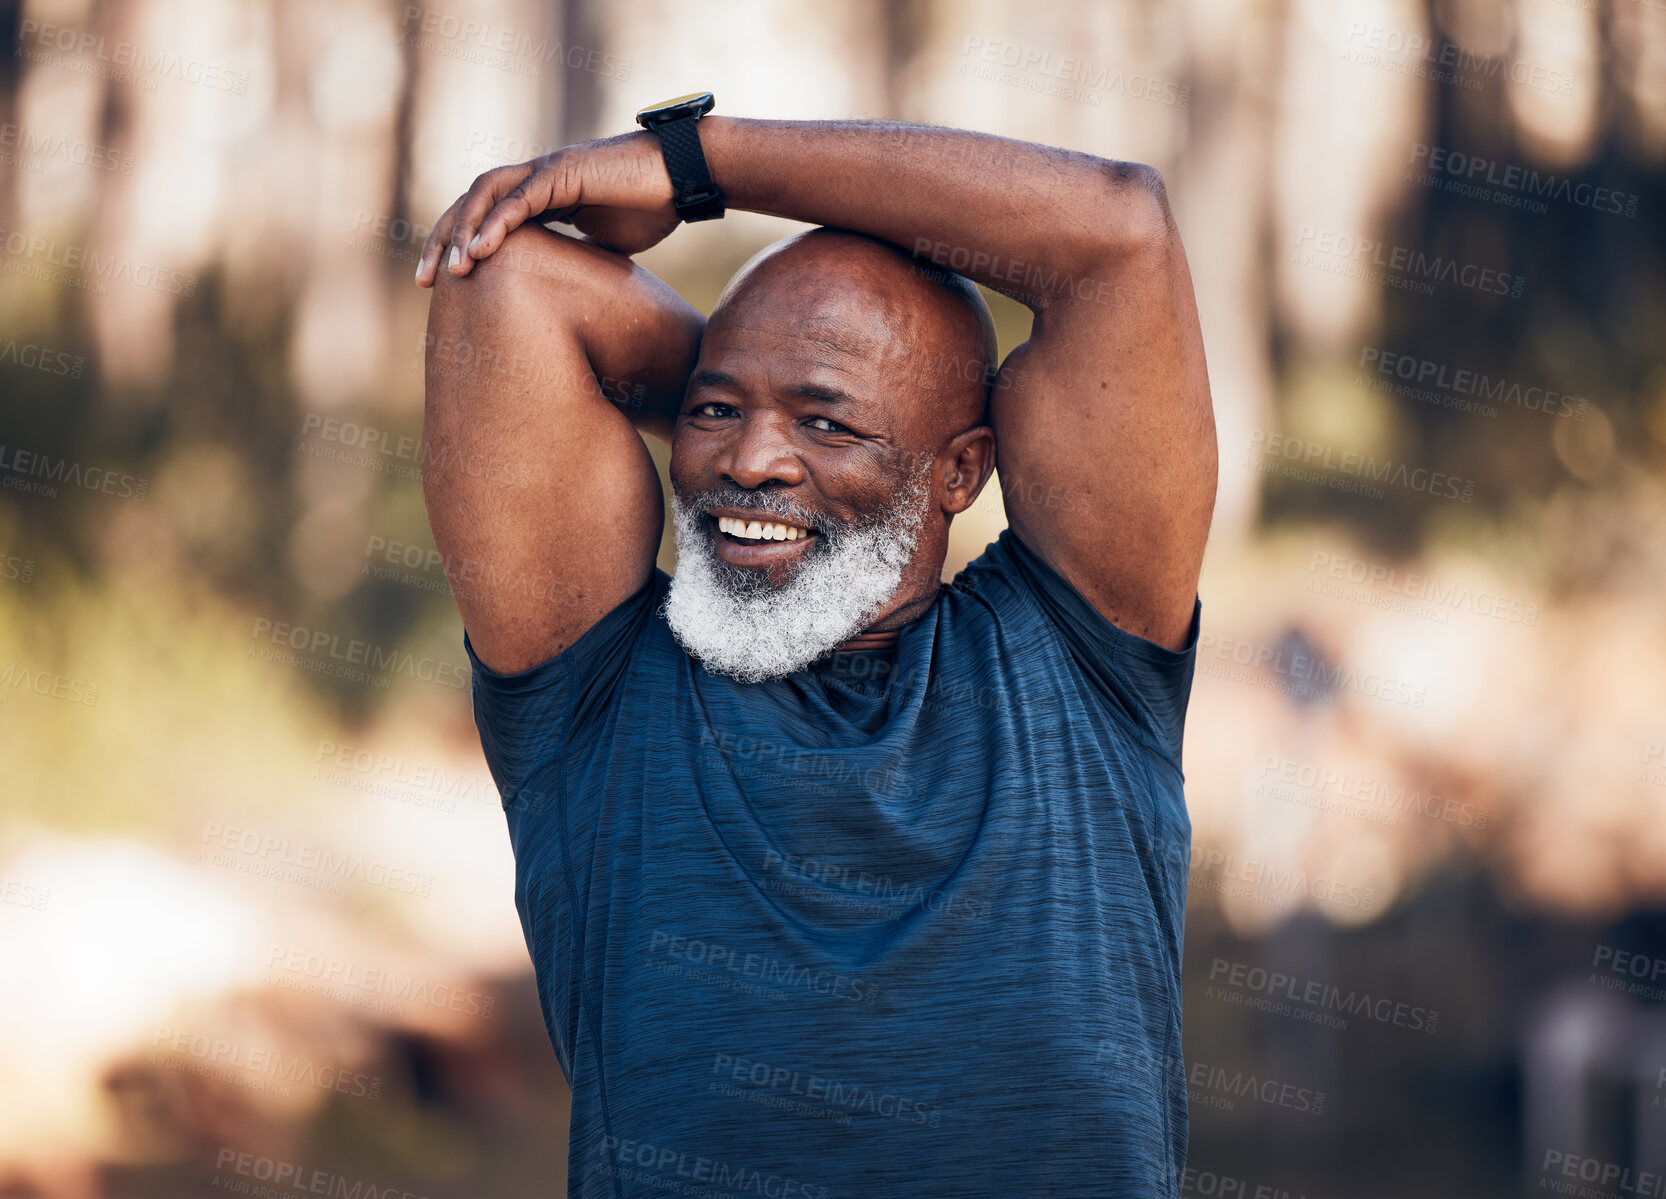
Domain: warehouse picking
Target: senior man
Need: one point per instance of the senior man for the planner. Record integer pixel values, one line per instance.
(837, 880)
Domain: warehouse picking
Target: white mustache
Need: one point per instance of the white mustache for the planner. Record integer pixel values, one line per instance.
(748, 501)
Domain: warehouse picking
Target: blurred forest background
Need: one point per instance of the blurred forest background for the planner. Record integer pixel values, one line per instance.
(256, 908)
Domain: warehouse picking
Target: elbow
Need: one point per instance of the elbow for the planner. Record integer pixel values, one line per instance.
(1132, 219)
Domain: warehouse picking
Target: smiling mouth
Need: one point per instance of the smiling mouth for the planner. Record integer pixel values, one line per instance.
(760, 532)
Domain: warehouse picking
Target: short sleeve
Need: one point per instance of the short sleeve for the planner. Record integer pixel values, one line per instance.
(527, 717)
(1147, 683)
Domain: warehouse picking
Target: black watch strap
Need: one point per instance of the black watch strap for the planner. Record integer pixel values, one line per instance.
(694, 194)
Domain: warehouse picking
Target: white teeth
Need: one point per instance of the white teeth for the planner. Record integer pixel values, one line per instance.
(760, 530)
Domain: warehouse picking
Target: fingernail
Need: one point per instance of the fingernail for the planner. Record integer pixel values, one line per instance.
(474, 244)
(456, 257)
(420, 265)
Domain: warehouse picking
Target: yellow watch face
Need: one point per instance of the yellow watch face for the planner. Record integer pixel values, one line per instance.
(663, 105)
(669, 103)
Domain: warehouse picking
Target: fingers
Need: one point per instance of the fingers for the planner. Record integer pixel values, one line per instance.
(453, 232)
(516, 185)
(438, 236)
(542, 194)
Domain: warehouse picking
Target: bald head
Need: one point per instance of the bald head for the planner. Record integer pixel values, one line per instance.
(927, 330)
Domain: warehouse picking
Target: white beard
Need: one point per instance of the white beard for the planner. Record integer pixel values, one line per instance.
(731, 619)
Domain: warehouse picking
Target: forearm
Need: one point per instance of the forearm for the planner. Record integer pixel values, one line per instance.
(641, 339)
(1024, 219)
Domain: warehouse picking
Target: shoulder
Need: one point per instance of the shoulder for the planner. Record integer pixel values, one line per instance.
(1054, 627)
(528, 716)
(1009, 582)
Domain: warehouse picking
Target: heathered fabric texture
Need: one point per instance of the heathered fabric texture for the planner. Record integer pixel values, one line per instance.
(914, 933)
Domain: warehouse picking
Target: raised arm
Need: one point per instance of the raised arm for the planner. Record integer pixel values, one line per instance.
(1103, 415)
(541, 496)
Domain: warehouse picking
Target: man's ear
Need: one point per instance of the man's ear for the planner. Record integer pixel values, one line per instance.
(969, 461)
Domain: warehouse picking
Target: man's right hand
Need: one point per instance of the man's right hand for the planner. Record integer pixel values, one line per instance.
(615, 191)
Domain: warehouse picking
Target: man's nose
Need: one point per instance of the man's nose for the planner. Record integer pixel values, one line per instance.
(759, 452)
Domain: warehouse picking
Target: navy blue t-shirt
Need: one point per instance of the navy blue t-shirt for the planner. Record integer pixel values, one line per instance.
(905, 922)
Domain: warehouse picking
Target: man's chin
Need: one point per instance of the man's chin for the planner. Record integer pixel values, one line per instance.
(776, 560)
(755, 623)
(747, 582)
(739, 623)
(748, 651)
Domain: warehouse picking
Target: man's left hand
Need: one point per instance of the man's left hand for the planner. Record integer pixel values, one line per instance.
(615, 191)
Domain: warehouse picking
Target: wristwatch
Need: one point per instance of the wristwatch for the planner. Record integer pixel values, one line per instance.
(694, 195)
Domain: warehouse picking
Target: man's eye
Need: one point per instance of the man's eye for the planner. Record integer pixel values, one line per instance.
(834, 426)
(700, 409)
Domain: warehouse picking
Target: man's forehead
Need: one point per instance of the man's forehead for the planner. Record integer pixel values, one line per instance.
(846, 309)
(804, 371)
(841, 319)
(832, 347)
(778, 350)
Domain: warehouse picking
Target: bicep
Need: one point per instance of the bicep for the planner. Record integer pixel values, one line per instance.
(543, 500)
(1105, 438)
(539, 551)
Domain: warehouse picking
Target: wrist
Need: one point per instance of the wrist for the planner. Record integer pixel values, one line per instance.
(717, 139)
(620, 171)
(677, 126)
